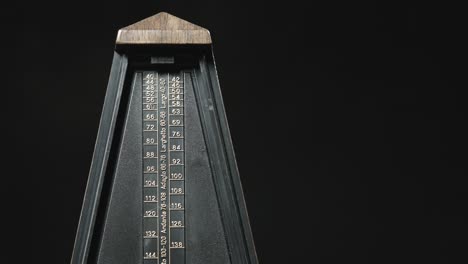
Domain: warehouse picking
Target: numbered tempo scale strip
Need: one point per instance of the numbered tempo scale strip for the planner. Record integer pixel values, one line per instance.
(163, 168)
(163, 250)
(177, 175)
(150, 167)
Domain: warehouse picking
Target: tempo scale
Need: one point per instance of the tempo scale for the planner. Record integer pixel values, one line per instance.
(163, 186)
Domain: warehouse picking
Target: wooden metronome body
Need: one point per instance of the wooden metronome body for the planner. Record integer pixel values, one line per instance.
(163, 185)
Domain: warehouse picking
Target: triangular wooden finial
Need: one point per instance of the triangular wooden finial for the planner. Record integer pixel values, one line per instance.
(163, 28)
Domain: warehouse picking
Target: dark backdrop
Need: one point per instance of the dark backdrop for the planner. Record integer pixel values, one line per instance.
(347, 120)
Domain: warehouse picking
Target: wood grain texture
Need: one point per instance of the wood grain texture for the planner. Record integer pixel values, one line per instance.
(163, 28)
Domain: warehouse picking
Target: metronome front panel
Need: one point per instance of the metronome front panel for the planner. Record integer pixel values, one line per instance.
(162, 204)
(163, 186)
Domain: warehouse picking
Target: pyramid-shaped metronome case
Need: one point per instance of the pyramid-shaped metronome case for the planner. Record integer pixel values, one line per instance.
(163, 185)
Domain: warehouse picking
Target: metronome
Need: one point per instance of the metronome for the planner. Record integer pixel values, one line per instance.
(163, 186)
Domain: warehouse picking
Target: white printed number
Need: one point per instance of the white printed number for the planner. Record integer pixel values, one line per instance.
(176, 244)
(150, 255)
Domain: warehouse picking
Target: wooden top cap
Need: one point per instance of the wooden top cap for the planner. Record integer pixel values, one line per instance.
(163, 28)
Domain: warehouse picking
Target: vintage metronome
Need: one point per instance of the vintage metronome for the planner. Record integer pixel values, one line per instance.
(163, 186)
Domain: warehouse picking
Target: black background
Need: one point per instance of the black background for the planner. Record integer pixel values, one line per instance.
(348, 123)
